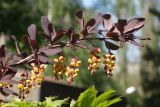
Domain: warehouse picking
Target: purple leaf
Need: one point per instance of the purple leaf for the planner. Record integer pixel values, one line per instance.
(74, 38)
(107, 22)
(14, 59)
(13, 81)
(79, 14)
(52, 31)
(50, 27)
(115, 30)
(48, 37)
(111, 34)
(45, 23)
(121, 24)
(111, 46)
(121, 38)
(32, 43)
(43, 59)
(98, 18)
(12, 70)
(49, 50)
(80, 18)
(2, 51)
(32, 31)
(90, 24)
(9, 91)
(51, 34)
(115, 38)
(2, 91)
(135, 43)
(141, 38)
(134, 24)
(32, 35)
(8, 78)
(59, 34)
(69, 32)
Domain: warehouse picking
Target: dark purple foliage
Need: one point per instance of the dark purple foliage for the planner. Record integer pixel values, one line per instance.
(123, 30)
(7, 71)
(49, 31)
(87, 29)
(111, 46)
(120, 32)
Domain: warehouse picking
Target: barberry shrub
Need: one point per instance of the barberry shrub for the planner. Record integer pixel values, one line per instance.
(114, 35)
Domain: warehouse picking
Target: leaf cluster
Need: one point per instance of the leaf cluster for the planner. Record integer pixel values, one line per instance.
(119, 32)
(88, 98)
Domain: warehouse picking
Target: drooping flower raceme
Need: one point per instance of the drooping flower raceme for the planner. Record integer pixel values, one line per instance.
(94, 60)
(72, 70)
(109, 63)
(26, 83)
(59, 67)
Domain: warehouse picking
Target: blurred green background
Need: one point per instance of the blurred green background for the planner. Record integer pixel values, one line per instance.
(138, 69)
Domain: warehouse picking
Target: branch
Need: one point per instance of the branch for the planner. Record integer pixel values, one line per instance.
(96, 38)
(24, 60)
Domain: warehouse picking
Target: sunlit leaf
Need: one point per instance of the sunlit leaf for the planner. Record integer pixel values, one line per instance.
(32, 31)
(98, 18)
(45, 23)
(134, 24)
(86, 98)
(107, 22)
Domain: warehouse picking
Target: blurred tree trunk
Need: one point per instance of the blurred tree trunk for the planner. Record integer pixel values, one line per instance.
(121, 13)
(147, 68)
(150, 61)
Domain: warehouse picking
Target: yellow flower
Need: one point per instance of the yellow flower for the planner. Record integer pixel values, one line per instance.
(1, 85)
(61, 58)
(20, 86)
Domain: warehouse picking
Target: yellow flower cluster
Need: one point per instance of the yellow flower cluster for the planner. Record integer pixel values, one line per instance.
(5, 85)
(37, 74)
(24, 87)
(94, 60)
(26, 83)
(59, 67)
(109, 63)
(72, 70)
